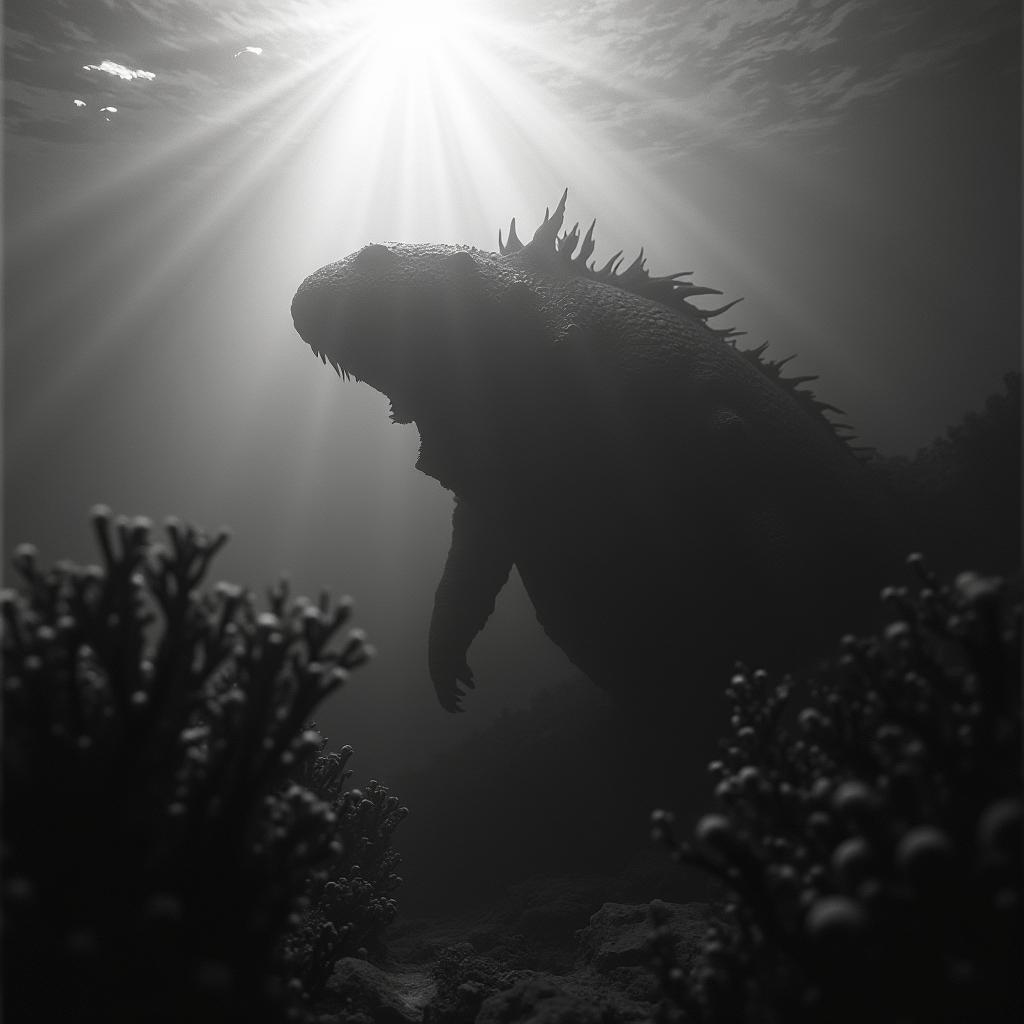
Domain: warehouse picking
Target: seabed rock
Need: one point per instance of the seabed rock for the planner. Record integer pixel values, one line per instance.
(524, 961)
(543, 999)
(359, 993)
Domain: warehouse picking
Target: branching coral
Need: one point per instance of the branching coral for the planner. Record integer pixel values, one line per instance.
(871, 841)
(347, 902)
(158, 834)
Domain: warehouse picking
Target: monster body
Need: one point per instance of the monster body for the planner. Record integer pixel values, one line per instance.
(670, 502)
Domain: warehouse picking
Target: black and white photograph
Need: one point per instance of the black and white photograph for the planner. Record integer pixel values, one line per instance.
(511, 512)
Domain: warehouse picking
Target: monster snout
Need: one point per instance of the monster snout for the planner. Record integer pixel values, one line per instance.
(308, 311)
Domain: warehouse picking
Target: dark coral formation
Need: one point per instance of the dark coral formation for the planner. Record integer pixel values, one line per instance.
(157, 841)
(871, 840)
(348, 902)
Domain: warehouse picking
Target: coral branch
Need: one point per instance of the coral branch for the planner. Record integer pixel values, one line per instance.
(870, 840)
(160, 838)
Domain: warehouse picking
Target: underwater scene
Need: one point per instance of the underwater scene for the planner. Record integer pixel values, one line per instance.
(512, 512)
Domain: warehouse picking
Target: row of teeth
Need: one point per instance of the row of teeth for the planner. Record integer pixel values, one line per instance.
(343, 374)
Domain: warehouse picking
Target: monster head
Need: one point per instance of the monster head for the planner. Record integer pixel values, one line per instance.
(444, 332)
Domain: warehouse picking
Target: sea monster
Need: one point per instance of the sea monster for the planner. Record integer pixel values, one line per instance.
(671, 501)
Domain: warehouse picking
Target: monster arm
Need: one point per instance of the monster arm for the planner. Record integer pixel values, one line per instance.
(478, 565)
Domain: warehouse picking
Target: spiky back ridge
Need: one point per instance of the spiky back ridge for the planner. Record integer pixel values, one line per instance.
(670, 290)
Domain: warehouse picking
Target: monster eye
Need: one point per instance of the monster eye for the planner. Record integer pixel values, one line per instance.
(374, 256)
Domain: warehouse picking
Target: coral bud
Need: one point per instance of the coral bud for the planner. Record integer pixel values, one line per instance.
(716, 830)
(854, 799)
(25, 556)
(973, 587)
(821, 790)
(141, 527)
(999, 828)
(355, 641)
(661, 825)
(783, 878)
(725, 790)
(926, 854)
(195, 734)
(835, 919)
(890, 736)
(811, 719)
(336, 677)
(851, 860)
(898, 632)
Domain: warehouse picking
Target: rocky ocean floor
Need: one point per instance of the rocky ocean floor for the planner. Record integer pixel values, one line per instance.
(551, 950)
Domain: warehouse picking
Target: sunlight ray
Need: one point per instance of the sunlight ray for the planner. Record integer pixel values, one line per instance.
(194, 162)
(250, 161)
(178, 148)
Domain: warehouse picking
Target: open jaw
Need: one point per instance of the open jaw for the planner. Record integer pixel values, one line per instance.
(399, 410)
(333, 363)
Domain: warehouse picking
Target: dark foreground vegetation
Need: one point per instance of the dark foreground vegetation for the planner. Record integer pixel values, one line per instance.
(180, 843)
(869, 830)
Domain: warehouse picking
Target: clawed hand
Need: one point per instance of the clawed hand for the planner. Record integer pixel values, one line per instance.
(446, 685)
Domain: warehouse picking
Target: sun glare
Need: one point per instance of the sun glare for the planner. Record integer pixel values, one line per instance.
(408, 37)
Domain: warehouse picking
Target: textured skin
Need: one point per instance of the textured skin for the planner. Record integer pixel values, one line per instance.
(669, 506)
